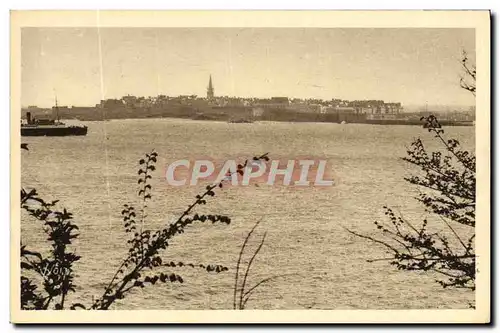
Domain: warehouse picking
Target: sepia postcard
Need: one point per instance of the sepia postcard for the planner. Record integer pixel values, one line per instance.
(250, 167)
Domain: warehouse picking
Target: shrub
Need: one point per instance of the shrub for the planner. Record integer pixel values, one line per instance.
(449, 193)
(47, 280)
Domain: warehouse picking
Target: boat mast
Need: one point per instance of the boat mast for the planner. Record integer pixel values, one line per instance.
(57, 107)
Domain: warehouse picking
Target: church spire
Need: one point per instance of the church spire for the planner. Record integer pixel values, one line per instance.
(210, 89)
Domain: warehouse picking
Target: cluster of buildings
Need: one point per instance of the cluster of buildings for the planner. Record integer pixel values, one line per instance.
(214, 107)
(275, 103)
(132, 105)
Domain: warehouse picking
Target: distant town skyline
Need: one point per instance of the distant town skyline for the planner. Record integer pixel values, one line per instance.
(85, 65)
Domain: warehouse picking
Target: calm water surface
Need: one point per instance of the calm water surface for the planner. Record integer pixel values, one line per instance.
(94, 176)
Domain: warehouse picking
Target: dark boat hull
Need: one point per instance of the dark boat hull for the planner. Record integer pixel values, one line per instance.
(53, 130)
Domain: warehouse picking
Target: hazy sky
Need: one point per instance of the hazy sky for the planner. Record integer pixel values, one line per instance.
(85, 65)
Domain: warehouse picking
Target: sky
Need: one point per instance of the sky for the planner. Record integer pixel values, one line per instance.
(84, 65)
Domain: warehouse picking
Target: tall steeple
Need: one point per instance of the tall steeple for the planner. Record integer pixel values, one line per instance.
(210, 89)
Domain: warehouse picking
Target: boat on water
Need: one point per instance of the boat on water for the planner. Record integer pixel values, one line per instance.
(49, 127)
(58, 129)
